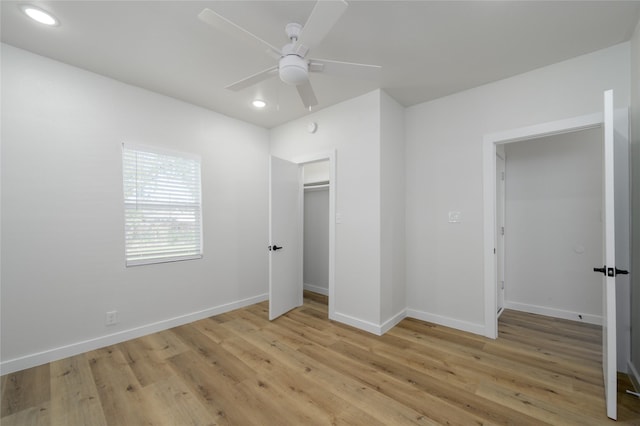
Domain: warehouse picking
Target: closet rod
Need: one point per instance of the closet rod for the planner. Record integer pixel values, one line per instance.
(325, 185)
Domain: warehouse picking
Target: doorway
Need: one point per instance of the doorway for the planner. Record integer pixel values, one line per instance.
(318, 224)
(491, 143)
(286, 221)
(552, 203)
(316, 227)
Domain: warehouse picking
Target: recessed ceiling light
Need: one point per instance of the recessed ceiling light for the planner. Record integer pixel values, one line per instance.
(39, 15)
(259, 103)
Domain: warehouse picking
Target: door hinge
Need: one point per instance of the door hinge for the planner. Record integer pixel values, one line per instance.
(502, 176)
(502, 230)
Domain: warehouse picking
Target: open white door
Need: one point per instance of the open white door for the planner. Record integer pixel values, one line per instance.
(609, 357)
(285, 249)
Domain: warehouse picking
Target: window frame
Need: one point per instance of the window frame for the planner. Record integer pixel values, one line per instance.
(198, 204)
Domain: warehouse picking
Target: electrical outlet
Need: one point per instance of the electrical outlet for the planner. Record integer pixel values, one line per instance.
(111, 318)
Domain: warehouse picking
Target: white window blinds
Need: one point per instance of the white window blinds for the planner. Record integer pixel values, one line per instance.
(162, 206)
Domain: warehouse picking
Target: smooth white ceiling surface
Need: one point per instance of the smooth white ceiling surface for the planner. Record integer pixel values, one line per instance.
(427, 49)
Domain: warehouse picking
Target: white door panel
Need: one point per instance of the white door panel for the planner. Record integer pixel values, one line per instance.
(609, 330)
(285, 249)
(623, 233)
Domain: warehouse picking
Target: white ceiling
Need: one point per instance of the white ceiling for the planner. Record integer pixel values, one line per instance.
(428, 49)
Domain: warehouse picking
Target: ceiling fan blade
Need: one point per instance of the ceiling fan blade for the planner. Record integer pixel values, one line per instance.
(306, 94)
(346, 69)
(323, 17)
(221, 23)
(253, 79)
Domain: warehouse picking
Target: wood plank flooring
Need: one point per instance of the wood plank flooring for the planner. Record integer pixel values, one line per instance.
(302, 369)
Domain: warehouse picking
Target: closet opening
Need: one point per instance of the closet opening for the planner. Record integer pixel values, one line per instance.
(316, 220)
(553, 217)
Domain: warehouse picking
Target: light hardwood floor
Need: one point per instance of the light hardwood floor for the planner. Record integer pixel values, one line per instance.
(238, 368)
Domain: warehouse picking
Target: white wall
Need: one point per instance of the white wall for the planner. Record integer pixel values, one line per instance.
(367, 133)
(352, 128)
(392, 212)
(316, 240)
(635, 205)
(62, 211)
(554, 225)
(317, 172)
(444, 172)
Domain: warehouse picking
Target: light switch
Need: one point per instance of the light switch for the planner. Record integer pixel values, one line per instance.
(455, 216)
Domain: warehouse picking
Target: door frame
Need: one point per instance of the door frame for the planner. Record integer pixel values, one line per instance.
(313, 158)
(501, 248)
(490, 141)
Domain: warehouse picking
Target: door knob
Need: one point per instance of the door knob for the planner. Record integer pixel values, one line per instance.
(611, 272)
(274, 248)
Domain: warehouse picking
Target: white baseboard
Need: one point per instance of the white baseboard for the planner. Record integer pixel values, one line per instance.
(393, 321)
(633, 376)
(377, 329)
(555, 313)
(446, 321)
(358, 323)
(62, 352)
(316, 289)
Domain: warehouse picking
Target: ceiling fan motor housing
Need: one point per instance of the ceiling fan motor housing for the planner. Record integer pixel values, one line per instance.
(293, 31)
(293, 70)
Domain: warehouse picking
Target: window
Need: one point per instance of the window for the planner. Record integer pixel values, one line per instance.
(162, 205)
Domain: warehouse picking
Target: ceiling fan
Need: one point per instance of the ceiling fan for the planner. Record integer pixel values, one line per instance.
(293, 65)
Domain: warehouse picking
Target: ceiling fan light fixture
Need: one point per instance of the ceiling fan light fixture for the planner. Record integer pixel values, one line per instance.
(39, 15)
(293, 70)
(259, 103)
